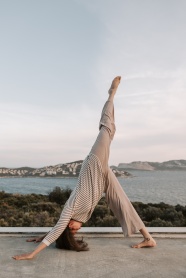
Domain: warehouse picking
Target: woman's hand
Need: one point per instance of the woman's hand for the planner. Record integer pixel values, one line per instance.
(35, 239)
(28, 256)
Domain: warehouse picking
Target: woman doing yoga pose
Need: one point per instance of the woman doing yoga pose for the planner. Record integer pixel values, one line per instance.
(95, 178)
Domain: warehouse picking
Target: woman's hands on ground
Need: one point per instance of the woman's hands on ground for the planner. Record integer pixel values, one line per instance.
(31, 255)
(27, 256)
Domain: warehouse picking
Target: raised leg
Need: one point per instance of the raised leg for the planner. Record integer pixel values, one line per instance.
(107, 128)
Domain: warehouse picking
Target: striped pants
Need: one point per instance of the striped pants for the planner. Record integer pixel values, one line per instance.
(115, 196)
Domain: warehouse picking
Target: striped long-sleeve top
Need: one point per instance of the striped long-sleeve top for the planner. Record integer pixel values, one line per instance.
(83, 199)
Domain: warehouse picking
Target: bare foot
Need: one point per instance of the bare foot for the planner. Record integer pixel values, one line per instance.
(28, 256)
(147, 242)
(114, 85)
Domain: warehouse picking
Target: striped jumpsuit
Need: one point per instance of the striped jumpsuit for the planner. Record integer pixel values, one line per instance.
(96, 178)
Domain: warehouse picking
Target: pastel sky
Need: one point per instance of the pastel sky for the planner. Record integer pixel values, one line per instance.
(57, 60)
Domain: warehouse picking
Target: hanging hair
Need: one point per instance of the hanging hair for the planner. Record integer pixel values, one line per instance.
(67, 241)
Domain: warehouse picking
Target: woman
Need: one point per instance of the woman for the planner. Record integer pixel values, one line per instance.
(95, 178)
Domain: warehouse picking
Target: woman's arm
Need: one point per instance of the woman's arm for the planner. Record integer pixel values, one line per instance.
(54, 233)
(63, 221)
(29, 256)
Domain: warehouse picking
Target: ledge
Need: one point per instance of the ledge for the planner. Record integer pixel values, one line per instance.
(92, 230)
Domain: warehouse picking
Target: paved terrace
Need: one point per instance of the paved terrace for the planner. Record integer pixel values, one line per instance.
(110, 255)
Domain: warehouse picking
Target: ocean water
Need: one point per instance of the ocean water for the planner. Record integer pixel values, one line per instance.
(156, 186)
(145, 186)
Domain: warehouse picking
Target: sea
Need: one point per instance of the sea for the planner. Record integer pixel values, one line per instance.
(144, 186)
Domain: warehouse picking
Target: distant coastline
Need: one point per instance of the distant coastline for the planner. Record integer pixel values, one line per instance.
(72, 169)
(65, 170)
(171, 165)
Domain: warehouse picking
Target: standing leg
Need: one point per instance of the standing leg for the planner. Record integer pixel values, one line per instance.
(121, 206)
(125, 212)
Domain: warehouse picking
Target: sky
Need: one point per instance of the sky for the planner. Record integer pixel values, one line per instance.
(57, 61)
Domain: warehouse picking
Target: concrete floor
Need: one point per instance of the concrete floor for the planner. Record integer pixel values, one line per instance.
(109, 257)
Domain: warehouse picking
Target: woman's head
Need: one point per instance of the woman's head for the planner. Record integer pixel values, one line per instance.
(67, 241)
(74, 226)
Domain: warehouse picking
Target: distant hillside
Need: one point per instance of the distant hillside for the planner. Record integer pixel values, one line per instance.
(154, 166)
(71, 169)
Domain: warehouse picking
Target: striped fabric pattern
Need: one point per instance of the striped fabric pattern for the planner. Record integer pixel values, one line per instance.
(83, 199)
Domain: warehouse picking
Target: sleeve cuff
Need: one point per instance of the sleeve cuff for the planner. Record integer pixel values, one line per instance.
(46, 242)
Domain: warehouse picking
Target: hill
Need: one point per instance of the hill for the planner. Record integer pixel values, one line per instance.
(71, 169)
(154, 166)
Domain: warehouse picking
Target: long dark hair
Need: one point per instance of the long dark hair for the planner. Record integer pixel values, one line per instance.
(67, 241)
